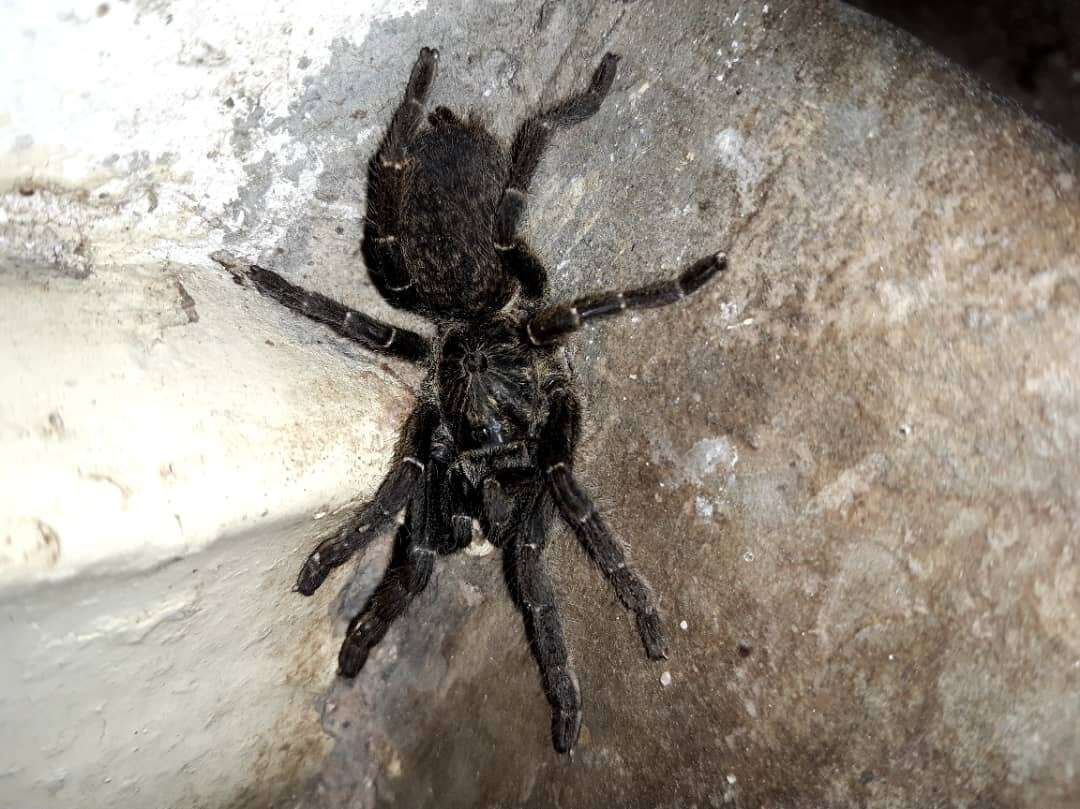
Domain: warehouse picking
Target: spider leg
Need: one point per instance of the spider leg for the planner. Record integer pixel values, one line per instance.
(547, 325)
(386, 170)
(577, 509)
(460, 500)
(378, 514)
(496, 504)
(532, 591)
(443, 117)
(519, 261)
(372, 334)
(532, 138)
(406, 577)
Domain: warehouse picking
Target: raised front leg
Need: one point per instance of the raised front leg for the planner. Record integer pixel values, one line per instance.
(533, 137)
(530, 142)
(556, 460)
(551, 323)
(374, 517)
(386, 170)
(532, 591)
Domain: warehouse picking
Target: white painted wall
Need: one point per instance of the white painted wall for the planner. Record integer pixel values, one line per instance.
(170, 444)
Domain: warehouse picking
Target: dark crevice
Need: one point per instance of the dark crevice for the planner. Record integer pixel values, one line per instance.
(1026, 49)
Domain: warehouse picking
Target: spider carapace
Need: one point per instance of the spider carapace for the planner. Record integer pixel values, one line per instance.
(493, 433)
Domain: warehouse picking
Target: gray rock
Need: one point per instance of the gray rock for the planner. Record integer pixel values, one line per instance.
(850, 467)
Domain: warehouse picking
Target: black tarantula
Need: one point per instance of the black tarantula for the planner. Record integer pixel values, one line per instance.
(493, 434)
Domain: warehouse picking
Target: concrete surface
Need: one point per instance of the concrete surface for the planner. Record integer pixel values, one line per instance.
(168, 442)
(850, 471)
(154, 490)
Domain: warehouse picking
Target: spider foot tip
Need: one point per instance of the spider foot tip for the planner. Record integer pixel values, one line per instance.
(308, 582)
(350, 661)
(236, 267)
(564, 748)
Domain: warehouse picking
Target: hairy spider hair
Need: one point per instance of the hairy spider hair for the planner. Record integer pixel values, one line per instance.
(497, 418)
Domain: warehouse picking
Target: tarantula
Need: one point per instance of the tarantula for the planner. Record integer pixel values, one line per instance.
(493, 434)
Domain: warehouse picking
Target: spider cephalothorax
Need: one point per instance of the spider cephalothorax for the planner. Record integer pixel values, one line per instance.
(487, 387)
(492, 437)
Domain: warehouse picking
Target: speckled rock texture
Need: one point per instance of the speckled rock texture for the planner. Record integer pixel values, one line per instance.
(849, 468)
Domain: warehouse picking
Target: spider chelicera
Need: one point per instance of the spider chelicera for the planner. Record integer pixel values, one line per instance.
(493, 433)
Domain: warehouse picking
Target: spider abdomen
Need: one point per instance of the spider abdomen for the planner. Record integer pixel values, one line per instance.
(455, 177)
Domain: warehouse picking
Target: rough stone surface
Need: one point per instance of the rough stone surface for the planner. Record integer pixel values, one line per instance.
(850, 468)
